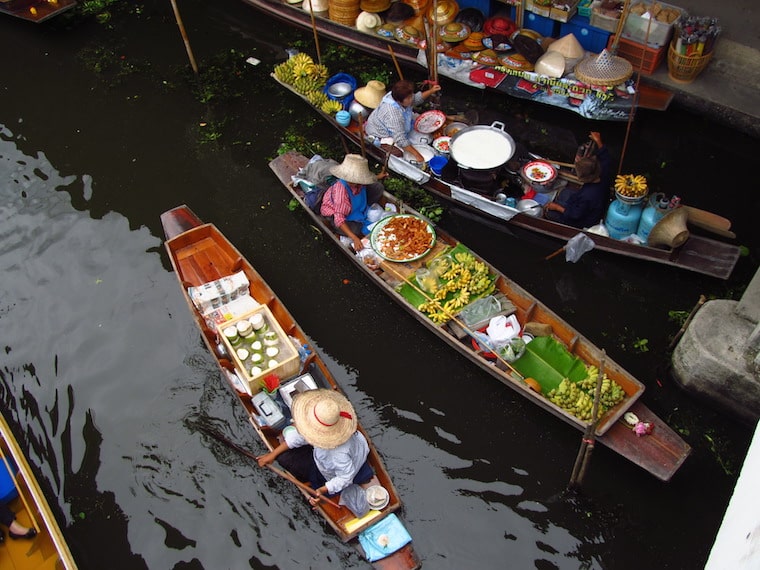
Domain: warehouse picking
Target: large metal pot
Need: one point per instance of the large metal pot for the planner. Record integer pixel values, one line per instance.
(482, 147)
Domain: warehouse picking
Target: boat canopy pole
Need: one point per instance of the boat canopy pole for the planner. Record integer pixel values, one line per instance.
(314, 29)
(181, 26)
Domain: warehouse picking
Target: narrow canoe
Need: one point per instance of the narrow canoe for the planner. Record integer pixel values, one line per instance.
(661, 453)
(698, 253)
(200, 254)
(35, 10)
(46, 551)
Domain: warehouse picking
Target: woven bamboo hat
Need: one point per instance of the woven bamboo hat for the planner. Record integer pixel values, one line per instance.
(420, 6)
(671, 230)
(316, 5)
(354, 169)
(443, 11)
(486, 57)
(325, 418)
(410, 35)
(552, 64)
(371, 94)
(474, 42)
(374, 6)
(368, 22)
(568, 46)
(604, 69)
(454, 32)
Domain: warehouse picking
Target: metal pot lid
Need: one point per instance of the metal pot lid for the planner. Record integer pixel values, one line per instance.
(482, 147)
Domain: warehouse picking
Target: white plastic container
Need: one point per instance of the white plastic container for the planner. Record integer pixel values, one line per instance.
(269, 412)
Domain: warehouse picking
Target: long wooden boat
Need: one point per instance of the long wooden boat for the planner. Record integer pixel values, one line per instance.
(661, 453)
(46, 551)
(200, 254)
(568, 94)
(699, 253)
(35, 10)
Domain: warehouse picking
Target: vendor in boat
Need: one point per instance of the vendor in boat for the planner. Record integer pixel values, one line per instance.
(15, 530)
(394, 117)
(323, 447)
(346, 203)
(584, 207)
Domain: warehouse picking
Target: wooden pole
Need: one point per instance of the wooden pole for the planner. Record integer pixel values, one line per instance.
(687, 322)
(587, 443)
(395, 62)
(184, 36)
(619, 29)
(314, 29)
(361, 134)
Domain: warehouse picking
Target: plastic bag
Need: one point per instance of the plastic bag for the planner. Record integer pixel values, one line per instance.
(480, 310)
(577, 246)
(502, 329)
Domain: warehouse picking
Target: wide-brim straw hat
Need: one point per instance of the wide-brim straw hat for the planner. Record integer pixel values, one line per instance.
(325, 418)
(671, 230)
(454, 32)
(368, 22)
(374, 6)
(552, 64)
(371, 94)
(486, 57)
(474, 42)
(458, 52)
(604, 69)
(387, 30)
(515, 61)
(410, 35)
(472, 18)
(398, 12)
(354, 169)
(499, 25)
(527, 47)
(420, 6)
(443, 12)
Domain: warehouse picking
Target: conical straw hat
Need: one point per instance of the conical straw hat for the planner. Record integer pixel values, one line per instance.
(671, 230)
(604, 69)
(568, 46)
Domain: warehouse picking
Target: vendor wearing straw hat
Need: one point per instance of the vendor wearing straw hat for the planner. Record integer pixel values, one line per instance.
(394, 117)
(324, 446)
(584, 207)
(346, 203)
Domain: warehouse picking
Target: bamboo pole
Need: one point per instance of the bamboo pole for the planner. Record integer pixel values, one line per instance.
(184, 36)
(314, 29)
(587, 443)
(395, 62)
(687, 322)
(361, 134)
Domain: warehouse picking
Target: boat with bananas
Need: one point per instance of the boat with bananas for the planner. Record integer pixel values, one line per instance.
(384, 37)
(458, 296)
(476, 192)
(21, 492)
(35, 11)
(225, 294)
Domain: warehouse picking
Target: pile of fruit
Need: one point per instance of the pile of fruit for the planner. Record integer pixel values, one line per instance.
(578, 397)
(460, 280)
(308, 78)
(631, 185)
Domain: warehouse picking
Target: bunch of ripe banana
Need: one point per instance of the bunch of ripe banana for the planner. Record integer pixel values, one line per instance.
(306, 76)
(465, 279)
(578, 397)
(631, 185)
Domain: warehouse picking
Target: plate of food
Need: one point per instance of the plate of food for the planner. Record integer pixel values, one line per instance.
(403, 237)
(442, 145)
(539, 171)
(430, 121)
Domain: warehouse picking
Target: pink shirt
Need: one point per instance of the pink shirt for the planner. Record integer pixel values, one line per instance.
(337, 203)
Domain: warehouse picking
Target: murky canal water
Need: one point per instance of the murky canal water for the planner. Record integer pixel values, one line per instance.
(105, 379)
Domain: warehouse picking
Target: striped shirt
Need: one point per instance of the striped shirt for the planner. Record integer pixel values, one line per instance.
(336, 202)
(388, 120)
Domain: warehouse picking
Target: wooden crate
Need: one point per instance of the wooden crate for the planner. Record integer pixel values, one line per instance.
(288, 358)
(633, 51)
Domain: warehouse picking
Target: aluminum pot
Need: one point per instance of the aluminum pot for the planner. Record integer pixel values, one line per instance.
(482, 147)
(416, 137)
(356, 109)
(425, 150)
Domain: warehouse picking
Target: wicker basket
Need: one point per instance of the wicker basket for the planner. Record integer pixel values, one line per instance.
(344, 11)
(685, 68)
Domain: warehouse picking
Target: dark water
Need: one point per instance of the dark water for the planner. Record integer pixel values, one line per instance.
(105, 379)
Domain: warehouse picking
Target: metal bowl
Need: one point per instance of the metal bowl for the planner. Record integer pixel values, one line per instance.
(339, 89)
(530, 207)
(356, 109)
(453, 128)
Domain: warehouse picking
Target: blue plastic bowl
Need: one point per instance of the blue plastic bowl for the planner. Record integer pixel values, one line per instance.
(437, 163)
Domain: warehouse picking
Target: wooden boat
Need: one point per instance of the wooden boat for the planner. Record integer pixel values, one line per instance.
(35, 10)
(565, 94)
(46, 551)
(699, 253)
(661, 453)
(200, 254)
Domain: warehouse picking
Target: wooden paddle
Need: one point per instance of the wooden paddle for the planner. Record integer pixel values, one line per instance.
(712, 229)
(284, 474)
(395, 62)
(708, 218)
(587, 443)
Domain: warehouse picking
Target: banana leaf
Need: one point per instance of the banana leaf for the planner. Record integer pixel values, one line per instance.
(549, 362)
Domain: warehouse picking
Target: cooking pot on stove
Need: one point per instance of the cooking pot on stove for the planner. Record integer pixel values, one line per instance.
(482, 147)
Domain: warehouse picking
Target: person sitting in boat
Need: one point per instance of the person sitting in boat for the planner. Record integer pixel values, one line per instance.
(323, 447)
(15, 530)
(394, 117)
(585, 206)
(347, 201)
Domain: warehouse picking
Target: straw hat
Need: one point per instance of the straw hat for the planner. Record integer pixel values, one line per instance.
(325, 418)
(317, 5)
(568, 46)
(375, 6)
(671, 230)
(443, 11)
(454, 32)
(515, 61)
(474, 42)
(472, 18)
(398, 12)
(552, 63)
(410, 35)
(441, 46)
(486, 57)
(368, 22)
(386, 30)
(527, 47)
(377, 497)
(499, 25)
(420, 6)
(604, 69)
(354, 169)
(497, 42)
(371, 94)
(458, 52)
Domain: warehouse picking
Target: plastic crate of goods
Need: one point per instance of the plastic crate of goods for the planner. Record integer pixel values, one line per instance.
(539, 7)
(634, 51)
(259, 347)
(541, 24)
(651, 23)
(563, 11)
(605, 14)
(591, 38)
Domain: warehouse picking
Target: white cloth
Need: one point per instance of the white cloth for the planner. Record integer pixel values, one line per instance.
(340, 465)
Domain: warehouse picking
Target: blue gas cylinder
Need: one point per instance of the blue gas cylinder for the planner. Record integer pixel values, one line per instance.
(622, 218)
(653, 213)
